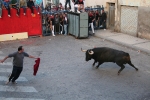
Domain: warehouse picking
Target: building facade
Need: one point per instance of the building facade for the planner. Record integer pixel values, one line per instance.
(133, 17)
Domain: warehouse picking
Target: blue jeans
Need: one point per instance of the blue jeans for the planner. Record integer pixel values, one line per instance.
(65, 29)
(24, 9)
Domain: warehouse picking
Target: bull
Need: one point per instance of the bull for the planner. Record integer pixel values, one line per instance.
(105, 54)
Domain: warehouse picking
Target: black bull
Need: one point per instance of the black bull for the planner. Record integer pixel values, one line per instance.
(104, 54)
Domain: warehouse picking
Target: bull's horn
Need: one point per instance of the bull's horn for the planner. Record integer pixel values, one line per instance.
(83, 50)
(91, 52)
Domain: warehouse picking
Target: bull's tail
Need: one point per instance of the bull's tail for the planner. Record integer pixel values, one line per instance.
(129, 61)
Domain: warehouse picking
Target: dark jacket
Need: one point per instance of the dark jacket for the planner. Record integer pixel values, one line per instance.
(30, 3)
(104, 16)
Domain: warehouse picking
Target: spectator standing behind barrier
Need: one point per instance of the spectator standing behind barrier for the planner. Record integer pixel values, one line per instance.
(104, 18)
(53, 24)
(30, 4)
(61, 18)
(48, 7)
(67, 2)
(14, 5)
(97, 18)
(61, 7)
(1, 6)
(7, 6)
(91, 20)
(57, 26)
(65, 24)
(23, 4)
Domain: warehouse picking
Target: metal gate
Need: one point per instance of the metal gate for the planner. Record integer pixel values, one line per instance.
(129, 20)
(111, 18)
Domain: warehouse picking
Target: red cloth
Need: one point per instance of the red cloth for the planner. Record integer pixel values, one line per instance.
(36, 66)
(80, 0)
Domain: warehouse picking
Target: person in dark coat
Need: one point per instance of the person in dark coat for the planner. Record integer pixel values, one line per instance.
(30, 5)
(104, 18)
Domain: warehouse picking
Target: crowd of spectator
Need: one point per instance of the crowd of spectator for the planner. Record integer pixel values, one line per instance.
(17, 4)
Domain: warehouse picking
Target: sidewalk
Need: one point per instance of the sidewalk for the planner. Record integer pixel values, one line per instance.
(141, 45)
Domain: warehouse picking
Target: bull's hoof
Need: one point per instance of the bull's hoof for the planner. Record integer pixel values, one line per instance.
(137, 69)
(118, 74)
(96, 67)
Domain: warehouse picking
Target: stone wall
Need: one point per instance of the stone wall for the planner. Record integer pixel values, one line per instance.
(144, 22)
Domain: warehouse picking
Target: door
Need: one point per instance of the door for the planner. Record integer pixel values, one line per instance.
(129, 20)
(111, 17)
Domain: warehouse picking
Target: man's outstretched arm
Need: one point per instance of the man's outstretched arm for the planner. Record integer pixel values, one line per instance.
(1, 61)
(32, 57)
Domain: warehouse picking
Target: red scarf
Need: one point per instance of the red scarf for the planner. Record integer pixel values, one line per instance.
(36, 66)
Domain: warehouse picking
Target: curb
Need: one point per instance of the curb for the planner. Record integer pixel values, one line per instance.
(138, 49)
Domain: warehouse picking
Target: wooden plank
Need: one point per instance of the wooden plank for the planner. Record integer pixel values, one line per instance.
(13, 36)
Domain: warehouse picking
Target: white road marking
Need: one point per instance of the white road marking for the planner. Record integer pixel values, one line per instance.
(2, 98)
(1, 52)
(148, 71)
(4, 78)
(6, 63)
(9, 70)
(15, 88)
(2, 57)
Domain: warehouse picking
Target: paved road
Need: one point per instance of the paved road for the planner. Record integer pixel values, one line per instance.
(65, 75)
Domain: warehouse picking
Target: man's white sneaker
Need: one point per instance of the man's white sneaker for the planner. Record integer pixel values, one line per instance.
(104, 29)
(78, 11)
(0, 17)
(9, 16)
(24, 13)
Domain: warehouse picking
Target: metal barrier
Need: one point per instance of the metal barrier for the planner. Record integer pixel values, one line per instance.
(78, 24)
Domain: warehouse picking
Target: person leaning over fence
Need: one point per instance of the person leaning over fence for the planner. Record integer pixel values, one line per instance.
(91, 20)
(65, 24)
(14, 5)
(38, 4)
(30, 5)
(1, 6)
(23, 4)
(7, 6)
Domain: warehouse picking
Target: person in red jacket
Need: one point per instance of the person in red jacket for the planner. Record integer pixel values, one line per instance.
(18, 58)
